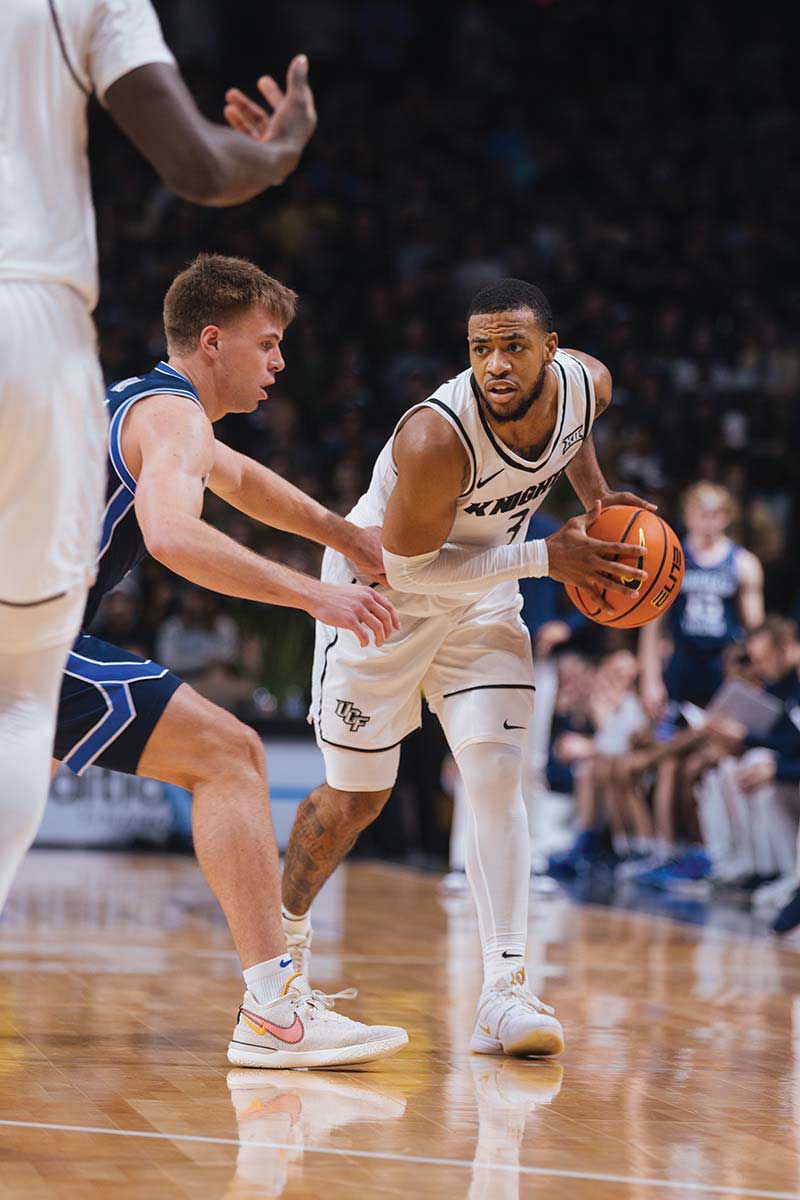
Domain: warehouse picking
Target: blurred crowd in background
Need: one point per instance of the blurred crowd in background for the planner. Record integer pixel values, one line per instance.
(633, 160)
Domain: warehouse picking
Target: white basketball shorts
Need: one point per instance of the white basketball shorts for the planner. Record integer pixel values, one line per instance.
(473, 665)
(53, 451)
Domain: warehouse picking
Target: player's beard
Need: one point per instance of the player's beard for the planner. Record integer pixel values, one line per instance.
(523, 405)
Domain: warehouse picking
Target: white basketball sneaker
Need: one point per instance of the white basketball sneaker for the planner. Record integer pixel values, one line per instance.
(511, 1020)
(300, 1029)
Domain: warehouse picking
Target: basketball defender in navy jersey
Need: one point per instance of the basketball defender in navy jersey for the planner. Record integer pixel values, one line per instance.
(224, 322)
(721, 599)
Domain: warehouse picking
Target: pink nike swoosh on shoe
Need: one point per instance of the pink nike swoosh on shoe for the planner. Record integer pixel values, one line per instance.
(290, 1034)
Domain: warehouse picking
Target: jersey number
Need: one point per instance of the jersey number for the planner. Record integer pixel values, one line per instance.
(516, 525)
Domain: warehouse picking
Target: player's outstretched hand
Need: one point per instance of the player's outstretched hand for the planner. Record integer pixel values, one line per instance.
(360, 609)
(292, 118)
(589, 563)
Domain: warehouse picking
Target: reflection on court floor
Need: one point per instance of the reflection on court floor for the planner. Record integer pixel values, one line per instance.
(119, 988)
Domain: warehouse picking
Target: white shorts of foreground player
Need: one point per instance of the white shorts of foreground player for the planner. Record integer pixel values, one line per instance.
(473, 664)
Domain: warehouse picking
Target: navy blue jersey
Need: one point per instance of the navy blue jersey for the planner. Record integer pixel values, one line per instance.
(121, 542)
(705, 616)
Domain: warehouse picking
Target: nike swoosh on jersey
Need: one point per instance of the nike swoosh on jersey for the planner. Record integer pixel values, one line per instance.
(291, 1034)
(507, 726)
(482, 482)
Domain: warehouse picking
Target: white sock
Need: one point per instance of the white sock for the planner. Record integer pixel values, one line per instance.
(498, 853)
(294, 924)
(267, 980)
(498, 960)
(29, 688)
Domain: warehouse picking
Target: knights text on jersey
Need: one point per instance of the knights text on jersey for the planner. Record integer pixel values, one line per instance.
(504, 490)
(121, 544)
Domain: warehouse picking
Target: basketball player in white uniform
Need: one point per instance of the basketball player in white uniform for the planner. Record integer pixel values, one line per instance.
(453, 489)
(53, 55)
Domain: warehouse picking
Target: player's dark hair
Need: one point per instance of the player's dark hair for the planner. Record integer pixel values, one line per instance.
(216, 287)
(509, 294)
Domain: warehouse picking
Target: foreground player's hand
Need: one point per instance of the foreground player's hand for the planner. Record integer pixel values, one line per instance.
(366, 554)
(293, 117)
(362, 610)
(626, 498)
(589, 563)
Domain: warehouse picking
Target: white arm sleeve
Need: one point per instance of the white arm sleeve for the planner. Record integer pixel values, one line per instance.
(452, 570)
(126, 34)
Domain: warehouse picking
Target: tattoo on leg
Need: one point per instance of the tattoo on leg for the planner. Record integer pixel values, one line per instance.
(318, 842)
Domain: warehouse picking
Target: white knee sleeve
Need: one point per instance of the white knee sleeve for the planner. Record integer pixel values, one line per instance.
(29, 689)
(498, 859)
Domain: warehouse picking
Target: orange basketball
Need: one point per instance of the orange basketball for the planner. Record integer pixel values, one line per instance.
(661, 555)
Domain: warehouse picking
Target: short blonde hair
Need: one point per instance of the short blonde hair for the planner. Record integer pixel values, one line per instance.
(706, 492)
(215, 288)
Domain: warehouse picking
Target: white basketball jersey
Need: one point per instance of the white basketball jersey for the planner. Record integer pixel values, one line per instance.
(504, 489)
(53, 55)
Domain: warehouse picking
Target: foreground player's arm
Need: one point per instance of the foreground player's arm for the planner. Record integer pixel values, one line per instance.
(198, 159)
(260, 493)
(172, 444)
(751, 589)
(584, 473)
(432, 472)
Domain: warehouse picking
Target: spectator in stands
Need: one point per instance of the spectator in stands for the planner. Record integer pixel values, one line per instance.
(615, 716)
(722, 597)
(120, 620)
(750, 802)
(203, 645)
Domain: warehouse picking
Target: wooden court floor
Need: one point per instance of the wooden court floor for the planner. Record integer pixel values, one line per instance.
(119, 987)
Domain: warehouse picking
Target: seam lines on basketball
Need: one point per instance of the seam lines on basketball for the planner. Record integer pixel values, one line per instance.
(599, 609)
(62, 45)
(583, 604)
(625, 533)
(655, 578)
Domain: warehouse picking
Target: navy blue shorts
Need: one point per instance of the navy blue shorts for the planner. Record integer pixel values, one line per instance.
(111, 701)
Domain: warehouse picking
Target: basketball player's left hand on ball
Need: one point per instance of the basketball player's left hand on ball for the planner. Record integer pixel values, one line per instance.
(366, 553)
(625, 498)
